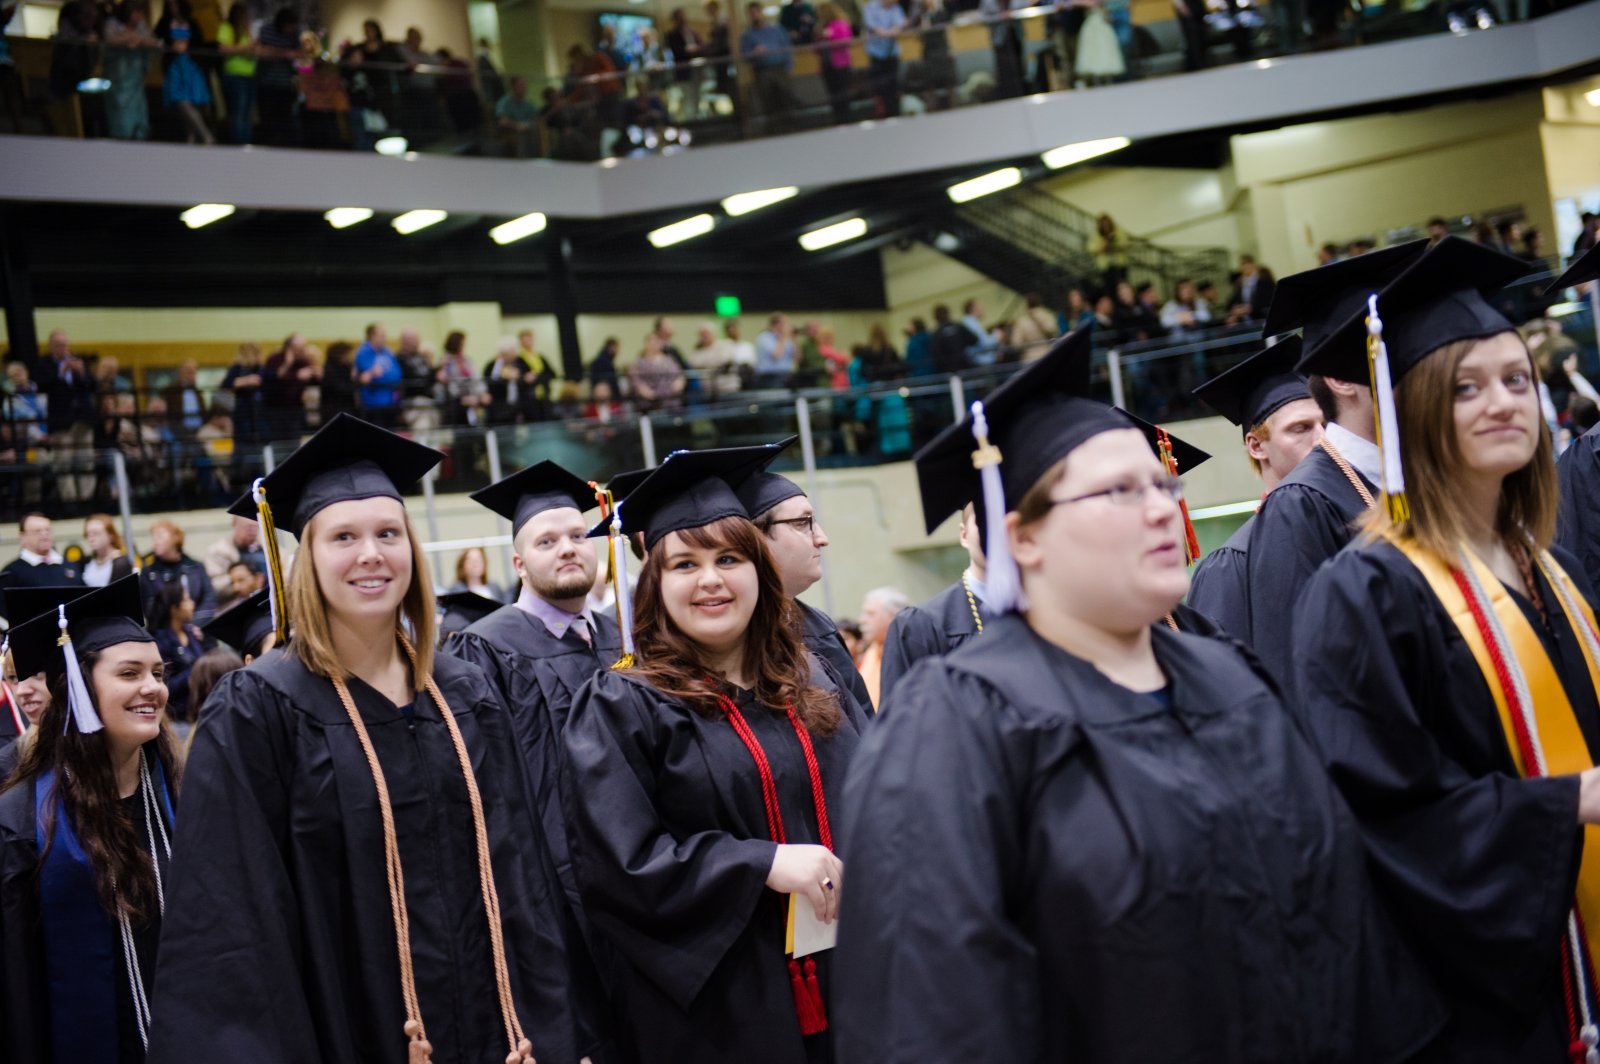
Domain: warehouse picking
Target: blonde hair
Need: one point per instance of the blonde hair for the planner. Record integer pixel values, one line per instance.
(170, 526)
(312, 641)
(1262, 432)
(1424, 401)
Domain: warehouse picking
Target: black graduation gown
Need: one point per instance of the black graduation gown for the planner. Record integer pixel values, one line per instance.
(1478, 865)
(822, 638)
(1578, 517)
(1304, 521)
(670, 844)
(279, 943)
(537, 675)
(937, 626)
(1042, 865)
(1219, 587)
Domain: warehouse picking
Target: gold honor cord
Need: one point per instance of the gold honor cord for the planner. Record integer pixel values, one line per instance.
(276, 588)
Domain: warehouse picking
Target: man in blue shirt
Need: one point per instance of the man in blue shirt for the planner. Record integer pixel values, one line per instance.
(775, 353)
(770, 54)
(884, 20)
(378, 374)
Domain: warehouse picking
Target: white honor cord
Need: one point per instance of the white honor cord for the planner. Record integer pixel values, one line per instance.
(153, 823)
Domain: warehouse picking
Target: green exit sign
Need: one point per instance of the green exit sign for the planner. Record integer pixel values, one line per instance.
(728, 307)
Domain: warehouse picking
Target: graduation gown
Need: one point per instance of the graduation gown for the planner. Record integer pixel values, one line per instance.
(1219, 587)
(937, 626)
(1578, 516)
(1478, 865)
(1304, 521)
(536, 675)
(821, 637)
(279, 943)
(671, 849)
(1045, 866)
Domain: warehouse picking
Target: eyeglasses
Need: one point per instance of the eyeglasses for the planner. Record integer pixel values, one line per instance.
(806, 525)
(1129, 494)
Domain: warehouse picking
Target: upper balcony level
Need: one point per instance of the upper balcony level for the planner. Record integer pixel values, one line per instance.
(962, 92)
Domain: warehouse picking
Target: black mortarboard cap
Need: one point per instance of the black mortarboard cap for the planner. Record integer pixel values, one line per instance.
(1186, 454)
(468, 605)
(1580, 270)
(101, 618)
(1319, 301)
(245, 625)
(531, 491)
(1250, 392)
(762, 490)
(347, 459)
(24, 603)
(1436, 300)
(689, 489)
(622, 485)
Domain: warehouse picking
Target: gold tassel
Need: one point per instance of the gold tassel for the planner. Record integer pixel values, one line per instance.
(276, 587)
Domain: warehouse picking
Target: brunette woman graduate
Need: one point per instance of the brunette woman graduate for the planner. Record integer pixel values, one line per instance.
(1447, 667)
(85, 836)
(358, 874)
(703, 782)
(1086, 836)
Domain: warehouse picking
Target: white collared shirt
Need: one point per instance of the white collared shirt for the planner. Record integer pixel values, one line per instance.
(1362, 454)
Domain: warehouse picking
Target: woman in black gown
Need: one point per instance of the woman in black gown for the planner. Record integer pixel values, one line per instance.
(1441, 648)
(1086, 836)
(702, 784)
(85, 824)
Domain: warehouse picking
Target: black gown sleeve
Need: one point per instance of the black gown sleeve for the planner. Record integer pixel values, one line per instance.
(24, 1007)
(924, 909)
(1578, 515)
(228, 978)
(1479, 867)
(1218, 590)
(913, 635)
(672, 906)
(1296, 530)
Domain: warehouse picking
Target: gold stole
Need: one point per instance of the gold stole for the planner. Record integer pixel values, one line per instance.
(1556, 729)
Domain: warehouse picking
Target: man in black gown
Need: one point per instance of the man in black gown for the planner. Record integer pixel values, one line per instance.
(945, 621)
(1578, 528)
(1266, 398)
(537, 653)
(1310, 516)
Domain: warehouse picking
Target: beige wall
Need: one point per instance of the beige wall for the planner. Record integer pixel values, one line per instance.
(1173, 207)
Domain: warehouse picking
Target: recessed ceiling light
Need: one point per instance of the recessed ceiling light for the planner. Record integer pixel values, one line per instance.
(985, 184)
(745, 202)
(390, 146)
(837, 233)
(1083, 150)
(677, 232)
(205, 213)
(411, 221)
(518, 228)
(345, 217)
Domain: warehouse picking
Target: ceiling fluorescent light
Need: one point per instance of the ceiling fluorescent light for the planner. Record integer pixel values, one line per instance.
(411, 221)
(829, 235)
(345, 217)
(1070, 154)
(745, 202)
(1592, 97)
(390, 146)
(985, 184)
(205, 213)
(518, 228)
(677, 232)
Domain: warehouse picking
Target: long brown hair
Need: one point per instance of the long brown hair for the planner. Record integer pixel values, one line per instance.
(311, 640)
(1424, 402)
(86, 791)
(111, 530)
(773, 651)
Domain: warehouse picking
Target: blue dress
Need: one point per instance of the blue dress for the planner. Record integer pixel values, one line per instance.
(185, 83)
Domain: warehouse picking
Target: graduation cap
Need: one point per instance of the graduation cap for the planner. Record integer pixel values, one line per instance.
(245, 625)
(1581, 270)
(1252, 391)
(346, 459)
(1438, 299)
(762, 490)
(469, 605)
(52, 641)
(529, 492)
(622, 485)
(1317, 301)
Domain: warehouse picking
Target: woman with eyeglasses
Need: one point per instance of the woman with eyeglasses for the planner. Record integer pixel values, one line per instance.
(1086, 836)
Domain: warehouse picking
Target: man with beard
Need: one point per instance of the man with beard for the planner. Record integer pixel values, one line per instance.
(537, 653)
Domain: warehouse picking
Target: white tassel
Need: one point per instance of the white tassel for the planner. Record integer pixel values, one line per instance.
(1394, 477)
(1001, 578)
(619, 558)
(80, 707)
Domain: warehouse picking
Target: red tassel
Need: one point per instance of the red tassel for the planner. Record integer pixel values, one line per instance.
(1191, 541)
(807, 997)
(814, 991)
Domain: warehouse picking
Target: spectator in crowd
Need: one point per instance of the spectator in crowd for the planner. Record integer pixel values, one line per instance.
(658, 381)
(810, 369)
(74, 57)
(612, 49)
(129, 45)
(378, 376)
(241, 544)
(770, 54)
(1328, 253)
(719, 47)
(420, 118)
(776, 355)
(107, 560)
(919, 349)
(186, 407)
(416, 366)
(1252, 292)
(68, 389)
(1110, 247)
(337, 393)
(1508, 237)
(515, 117)
(507, 375)
(323, 97)
(685, 45)
(25, 408)
(245, 578)
(1207, 291)
(460, 98)
(179, 640)
(238, 49)
(1438, 229)
(465, 395)
(538, 393)
(1104, 317)
(712, 360)
(603, 370)
(106, 376)
(472, 574)
(644, 115)
(878, 608)
(1532, 249)
(879, 360)
(885, 20)
(489, 78)
(938, 65)
(1588, 235)
(1077, 312)
(184, 89)
(663, 331)
(244, 379)
(1185, 314)
(594, 82)
(38, 564)
(985, 345)
(950, 343)
(835, 60)
(603, 405)
(285, 376)
(799, 20)
(836, 358)
(737, 353)
(1034, 328)
(168, 565)
(1149, 299)
(276, 93)
(1005, 36)
(1100, 58)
